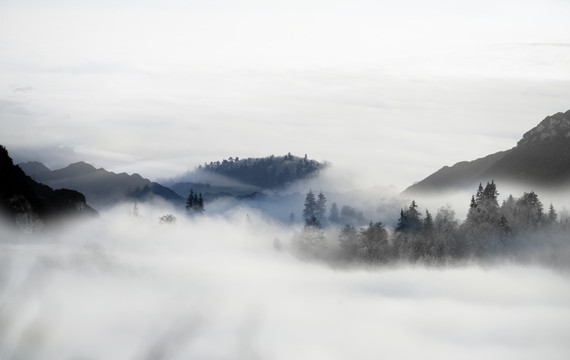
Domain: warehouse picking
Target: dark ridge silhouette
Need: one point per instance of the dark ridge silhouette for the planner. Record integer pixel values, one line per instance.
(28, 203)
(101, 187)
(540, 160)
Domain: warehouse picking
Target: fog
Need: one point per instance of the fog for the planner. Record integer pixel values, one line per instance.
(229, 287)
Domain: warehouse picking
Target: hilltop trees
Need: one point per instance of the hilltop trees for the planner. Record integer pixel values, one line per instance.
(269, 172)
(195, 203)
(315, 209)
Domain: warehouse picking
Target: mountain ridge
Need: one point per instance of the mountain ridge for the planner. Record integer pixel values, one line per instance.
(28, 203)
(541, 160)
(102, 188)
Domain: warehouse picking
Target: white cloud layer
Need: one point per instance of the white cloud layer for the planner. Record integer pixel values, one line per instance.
(130, 288)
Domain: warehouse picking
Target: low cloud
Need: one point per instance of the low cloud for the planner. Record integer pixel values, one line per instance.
(126, 286)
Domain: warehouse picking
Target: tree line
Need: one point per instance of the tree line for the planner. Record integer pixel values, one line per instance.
(519, 228)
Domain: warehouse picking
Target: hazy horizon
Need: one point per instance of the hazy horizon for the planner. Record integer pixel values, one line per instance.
(388, 93)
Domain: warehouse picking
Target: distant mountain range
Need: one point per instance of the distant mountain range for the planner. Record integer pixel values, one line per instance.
(540, 160)
(238, 178)
(29, 203)
(101, 187)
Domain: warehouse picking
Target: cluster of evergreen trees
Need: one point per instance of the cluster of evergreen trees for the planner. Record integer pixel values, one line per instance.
(514, 229)
(268, 172)
(195, 203)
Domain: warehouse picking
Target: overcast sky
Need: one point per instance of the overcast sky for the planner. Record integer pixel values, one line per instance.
(387, 92)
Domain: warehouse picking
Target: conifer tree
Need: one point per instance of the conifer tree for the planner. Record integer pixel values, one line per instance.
(195, 203)
(310, 206)
(552, 215)
(320, 208)
(190, 201)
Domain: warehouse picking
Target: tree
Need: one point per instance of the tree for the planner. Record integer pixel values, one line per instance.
(167, 219)
(195, 203)
(408, 243)
(310, 206)
(375, 246)
(410, 220)
(190, 200)
(334, 216)
(530, 211)
(200, 204)
(349, 240)
(445, 244)
(313, 222)
(428, 223)
(552, 216)
(481, 228)
(320, 208)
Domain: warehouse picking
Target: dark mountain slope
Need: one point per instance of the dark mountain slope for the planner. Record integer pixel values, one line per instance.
(23, 200)
(101, 187)
(459, 176)
(541, 160)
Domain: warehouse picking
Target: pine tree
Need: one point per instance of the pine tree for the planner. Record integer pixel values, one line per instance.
(313, 222)
(190, 201)
(310, 206)
(195, 203)
(410, 220)
(552, 217)
(320, 208)
(200, 205)
(428, 223)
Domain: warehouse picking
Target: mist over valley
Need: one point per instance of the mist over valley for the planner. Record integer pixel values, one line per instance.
(284, 180)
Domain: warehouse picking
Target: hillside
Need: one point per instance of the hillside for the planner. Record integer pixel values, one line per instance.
(28, 203)
(243, 178)
(540, 160)
(268, 172)
(101, 187)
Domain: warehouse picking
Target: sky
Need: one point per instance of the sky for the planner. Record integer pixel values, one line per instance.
(386, 92)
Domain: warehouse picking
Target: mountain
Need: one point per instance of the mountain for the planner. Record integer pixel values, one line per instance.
(101, 187)
(29, 203)
(540, 160)
(243, 177)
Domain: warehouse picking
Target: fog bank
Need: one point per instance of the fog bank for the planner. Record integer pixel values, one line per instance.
(129, 287)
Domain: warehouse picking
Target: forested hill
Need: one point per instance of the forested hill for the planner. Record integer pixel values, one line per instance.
(268, 172)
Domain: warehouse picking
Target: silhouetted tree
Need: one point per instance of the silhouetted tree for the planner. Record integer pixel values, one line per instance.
(320, 208)
(313, 222)
(552, 216)
(195, 203)
(310, 206)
